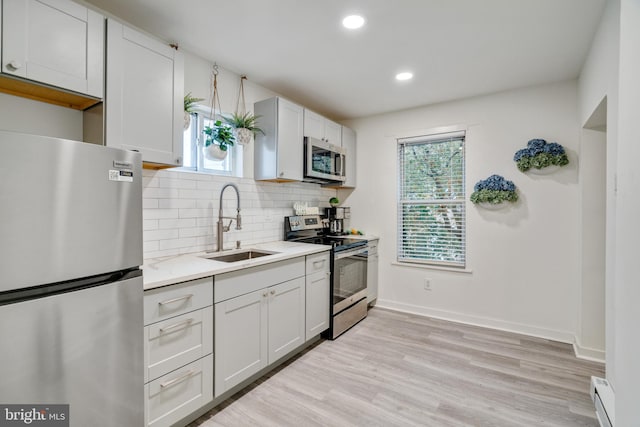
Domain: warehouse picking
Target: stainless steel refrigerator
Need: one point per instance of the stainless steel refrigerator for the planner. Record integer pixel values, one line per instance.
(71, 322)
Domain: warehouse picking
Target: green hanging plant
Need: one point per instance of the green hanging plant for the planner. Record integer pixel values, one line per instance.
(220, 134)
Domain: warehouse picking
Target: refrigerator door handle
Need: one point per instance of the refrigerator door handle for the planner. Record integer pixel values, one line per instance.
(171, 301)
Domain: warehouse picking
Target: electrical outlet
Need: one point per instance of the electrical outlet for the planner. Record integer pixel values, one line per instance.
(427, 284)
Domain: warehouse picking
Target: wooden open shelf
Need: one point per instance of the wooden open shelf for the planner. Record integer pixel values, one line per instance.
(37, 92)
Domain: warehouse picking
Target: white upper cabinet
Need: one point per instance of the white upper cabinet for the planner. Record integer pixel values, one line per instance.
(319, 127)
(349, 143)
(145, 84)
(55, 42)
(278, 154)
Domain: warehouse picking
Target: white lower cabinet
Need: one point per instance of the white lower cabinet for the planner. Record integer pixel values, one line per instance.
(256, 328)
(286, 326)
(178, 350)
(177, 394)
(241, 339)
(318, 288)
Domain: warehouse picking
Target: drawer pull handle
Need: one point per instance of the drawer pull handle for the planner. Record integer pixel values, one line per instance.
(184, 323)
(171, 301)
(318, 263)
(175, 381)
(273, 292)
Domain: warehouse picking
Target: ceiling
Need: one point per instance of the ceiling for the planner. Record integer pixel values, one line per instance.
(455, 48)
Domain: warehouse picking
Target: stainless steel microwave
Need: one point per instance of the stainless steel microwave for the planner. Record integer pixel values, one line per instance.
(323, 162)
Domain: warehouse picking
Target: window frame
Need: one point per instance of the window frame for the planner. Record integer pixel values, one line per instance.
(234, 158)
(433, 136)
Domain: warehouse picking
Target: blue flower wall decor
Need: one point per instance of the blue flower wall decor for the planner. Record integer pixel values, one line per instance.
(540, 154)
(494, 190)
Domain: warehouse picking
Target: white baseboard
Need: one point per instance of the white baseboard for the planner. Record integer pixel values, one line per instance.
(562, 336)
(588, 353)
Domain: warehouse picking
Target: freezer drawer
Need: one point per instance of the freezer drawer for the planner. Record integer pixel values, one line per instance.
(177, 341)
(179, 393)
(82, 348)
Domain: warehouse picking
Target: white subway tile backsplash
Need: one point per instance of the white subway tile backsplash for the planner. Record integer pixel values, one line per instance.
(154, 235)
(180, 210)
(159, 213)
(149, 224)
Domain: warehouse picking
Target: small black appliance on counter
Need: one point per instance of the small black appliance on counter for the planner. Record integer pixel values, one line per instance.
(338, 218)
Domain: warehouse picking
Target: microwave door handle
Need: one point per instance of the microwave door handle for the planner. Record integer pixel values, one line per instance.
(340, 164)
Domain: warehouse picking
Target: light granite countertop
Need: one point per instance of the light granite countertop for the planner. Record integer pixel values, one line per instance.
(165, 271)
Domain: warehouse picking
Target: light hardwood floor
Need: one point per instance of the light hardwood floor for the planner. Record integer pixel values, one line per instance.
(397, 369)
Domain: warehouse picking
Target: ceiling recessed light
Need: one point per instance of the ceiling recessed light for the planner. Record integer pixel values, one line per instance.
(404, 76)
(353, 22)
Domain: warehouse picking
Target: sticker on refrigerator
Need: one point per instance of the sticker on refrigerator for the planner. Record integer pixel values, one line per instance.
(122, 175)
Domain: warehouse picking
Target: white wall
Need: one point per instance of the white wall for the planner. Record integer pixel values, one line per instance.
(627, 291)
(524, 261)
(24, 115)
(599, 79)
(590, 340)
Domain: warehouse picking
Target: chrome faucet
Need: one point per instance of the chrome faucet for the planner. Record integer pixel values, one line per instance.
(221, 227)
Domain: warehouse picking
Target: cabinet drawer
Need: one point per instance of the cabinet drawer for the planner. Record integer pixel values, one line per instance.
(177, 341)
(179, 393)
(318, 262)
(240, 282)
(169, 301)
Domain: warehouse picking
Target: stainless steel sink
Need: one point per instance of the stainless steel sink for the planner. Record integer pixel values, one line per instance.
(239, 256)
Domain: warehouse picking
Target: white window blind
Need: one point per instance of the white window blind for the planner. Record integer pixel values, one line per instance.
(431, 199)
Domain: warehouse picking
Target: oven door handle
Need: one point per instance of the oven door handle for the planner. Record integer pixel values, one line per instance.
(350, 253)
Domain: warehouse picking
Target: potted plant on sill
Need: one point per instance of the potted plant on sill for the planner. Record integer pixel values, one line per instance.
(244, 126)
(217, 141)
(493, 191)
(189, 103)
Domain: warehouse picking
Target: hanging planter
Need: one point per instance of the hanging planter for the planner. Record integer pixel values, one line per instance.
(243, 136)
(219, 137)
(243, 122)
(541, 156)
(493, 191)
(217, 141)
(214, 152)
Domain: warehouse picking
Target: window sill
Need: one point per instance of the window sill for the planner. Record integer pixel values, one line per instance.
(433, 267)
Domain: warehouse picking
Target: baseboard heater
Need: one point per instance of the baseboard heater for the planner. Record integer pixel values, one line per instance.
(604, 401)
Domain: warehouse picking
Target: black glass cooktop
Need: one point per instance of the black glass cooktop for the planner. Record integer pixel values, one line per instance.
(337, 243)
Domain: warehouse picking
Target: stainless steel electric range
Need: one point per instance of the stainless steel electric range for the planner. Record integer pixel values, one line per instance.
(348, 270)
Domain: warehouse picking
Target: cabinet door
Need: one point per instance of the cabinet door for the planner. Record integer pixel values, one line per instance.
(313, 125)
(144, 95)
(240, 339)
(349, 143)
(286, 317)
(290, 140)
(317, 303)
(333, 132)
(56, 42)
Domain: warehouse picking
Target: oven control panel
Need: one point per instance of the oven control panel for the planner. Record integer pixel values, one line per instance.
(305, 222)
